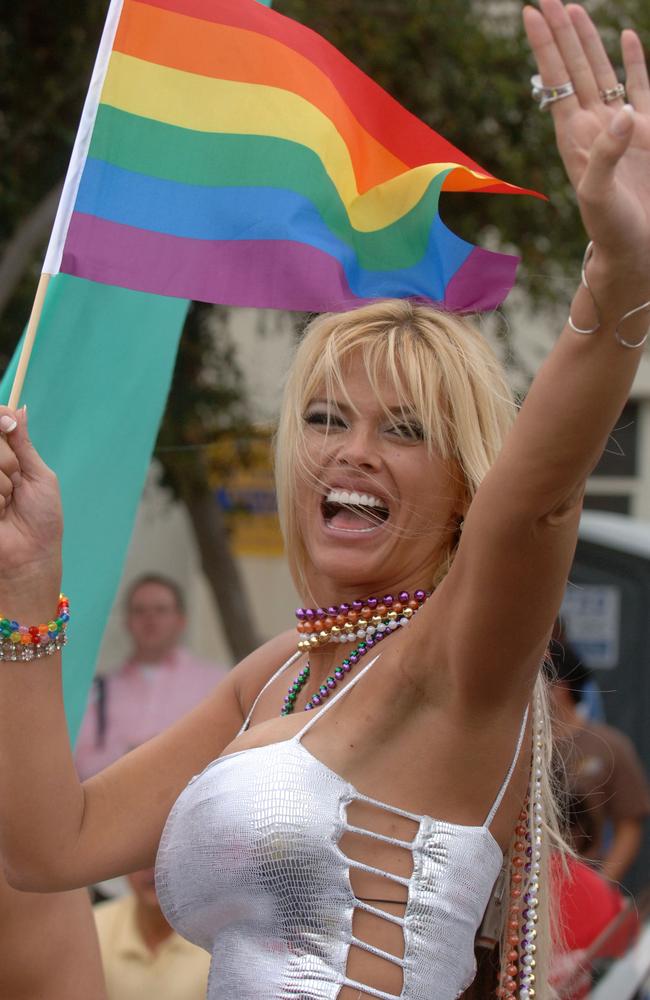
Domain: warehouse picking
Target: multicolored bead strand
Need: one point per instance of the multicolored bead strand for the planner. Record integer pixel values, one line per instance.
(519, 977)
(29, 642)
(349, 662)
(298, 684)
(518, 861)
(373, 629)
(349, 622)
(530, 915)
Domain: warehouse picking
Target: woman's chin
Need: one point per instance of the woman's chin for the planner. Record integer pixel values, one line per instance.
(343, 567)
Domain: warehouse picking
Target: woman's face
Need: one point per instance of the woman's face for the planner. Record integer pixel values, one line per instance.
(375, 507)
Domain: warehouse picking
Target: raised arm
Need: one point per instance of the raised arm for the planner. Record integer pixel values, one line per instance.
(56, 833)
(507, 583)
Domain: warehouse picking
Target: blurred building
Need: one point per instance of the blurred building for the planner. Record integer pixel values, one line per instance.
(163, 539)
(621, 482)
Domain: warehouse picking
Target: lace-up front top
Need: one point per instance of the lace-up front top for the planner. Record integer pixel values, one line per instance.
(250, 868)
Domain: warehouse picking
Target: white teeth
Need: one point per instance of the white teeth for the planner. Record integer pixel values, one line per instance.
(357, 499)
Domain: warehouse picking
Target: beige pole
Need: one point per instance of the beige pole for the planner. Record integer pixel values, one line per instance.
(30, 336)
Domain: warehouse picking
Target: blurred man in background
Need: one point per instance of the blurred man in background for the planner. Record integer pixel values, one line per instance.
(142, 956)
(159, 682)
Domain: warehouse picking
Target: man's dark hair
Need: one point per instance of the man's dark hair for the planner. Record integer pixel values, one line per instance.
(162, 581)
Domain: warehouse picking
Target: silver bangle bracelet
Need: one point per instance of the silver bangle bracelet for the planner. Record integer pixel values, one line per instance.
(585, 284)
(594, 329)
(12, 652)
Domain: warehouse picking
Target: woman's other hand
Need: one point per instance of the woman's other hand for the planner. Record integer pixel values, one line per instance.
(31, 522)
(605, 146)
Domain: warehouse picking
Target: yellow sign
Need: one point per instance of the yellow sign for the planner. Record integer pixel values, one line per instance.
(241, 474)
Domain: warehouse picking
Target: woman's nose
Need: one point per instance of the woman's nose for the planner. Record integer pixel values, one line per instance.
(359, 447)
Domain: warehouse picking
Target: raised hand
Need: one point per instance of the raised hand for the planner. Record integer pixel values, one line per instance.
(605, 145)
(30, 521)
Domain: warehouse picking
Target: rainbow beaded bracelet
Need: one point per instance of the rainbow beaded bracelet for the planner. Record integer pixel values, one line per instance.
(29, 642)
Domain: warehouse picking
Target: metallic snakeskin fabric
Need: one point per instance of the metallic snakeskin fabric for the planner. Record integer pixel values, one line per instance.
(249, 868)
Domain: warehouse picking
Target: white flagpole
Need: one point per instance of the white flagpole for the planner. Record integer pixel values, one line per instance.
(82, 141)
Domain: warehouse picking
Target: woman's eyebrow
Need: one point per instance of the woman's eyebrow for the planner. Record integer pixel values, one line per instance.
(398, 411)
(329, 402)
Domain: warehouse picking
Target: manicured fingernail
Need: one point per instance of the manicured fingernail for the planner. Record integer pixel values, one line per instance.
(622, 120)
(7, 424)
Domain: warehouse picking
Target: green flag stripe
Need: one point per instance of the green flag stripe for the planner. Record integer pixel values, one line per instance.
(205, 159)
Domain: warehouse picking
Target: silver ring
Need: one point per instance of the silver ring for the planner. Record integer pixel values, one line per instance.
(549, 95)
(613, 94)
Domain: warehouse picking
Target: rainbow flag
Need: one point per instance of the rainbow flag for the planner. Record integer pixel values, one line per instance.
(229, 154)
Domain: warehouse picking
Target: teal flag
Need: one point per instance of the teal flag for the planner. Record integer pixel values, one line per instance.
(95, 390)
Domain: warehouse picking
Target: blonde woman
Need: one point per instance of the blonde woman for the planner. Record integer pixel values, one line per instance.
(351, 850)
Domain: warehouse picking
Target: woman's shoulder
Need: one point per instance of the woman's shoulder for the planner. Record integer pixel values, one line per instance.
(251, 674)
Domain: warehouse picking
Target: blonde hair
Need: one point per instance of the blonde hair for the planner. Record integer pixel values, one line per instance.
(447, 377)
(444, 374)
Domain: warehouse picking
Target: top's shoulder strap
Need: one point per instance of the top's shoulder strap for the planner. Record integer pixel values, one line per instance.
(330, 704)
(504, 787)
(285, 666)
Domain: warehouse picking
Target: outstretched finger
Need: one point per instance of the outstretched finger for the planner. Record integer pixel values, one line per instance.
(571, 52)
(549, 60)
(601, 67)
(636, 70)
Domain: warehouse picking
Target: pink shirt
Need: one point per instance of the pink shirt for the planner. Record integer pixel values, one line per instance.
(141, 701)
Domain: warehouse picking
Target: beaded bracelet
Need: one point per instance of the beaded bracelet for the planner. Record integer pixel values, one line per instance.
(29, 642)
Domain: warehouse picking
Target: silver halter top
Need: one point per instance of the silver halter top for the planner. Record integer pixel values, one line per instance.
(249, 868)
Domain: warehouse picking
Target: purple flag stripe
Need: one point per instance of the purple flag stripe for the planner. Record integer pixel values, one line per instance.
(274, 274)
(484, 280)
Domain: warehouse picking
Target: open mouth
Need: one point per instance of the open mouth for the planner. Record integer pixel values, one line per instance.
(350, 511)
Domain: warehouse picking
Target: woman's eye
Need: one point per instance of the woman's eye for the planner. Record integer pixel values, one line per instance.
(408, 432)
(325, 420)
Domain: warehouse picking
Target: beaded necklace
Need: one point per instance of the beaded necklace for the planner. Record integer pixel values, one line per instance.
(519, 978)
(371, 621)
(347, 622)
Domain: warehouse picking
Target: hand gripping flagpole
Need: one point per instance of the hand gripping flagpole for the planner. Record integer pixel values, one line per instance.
(54, 253)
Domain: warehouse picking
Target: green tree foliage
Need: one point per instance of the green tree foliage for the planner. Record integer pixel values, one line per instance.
(460, 69)
(46, 56)
(465, 71)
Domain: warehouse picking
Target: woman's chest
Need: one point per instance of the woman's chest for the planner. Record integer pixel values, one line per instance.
(271, 846)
